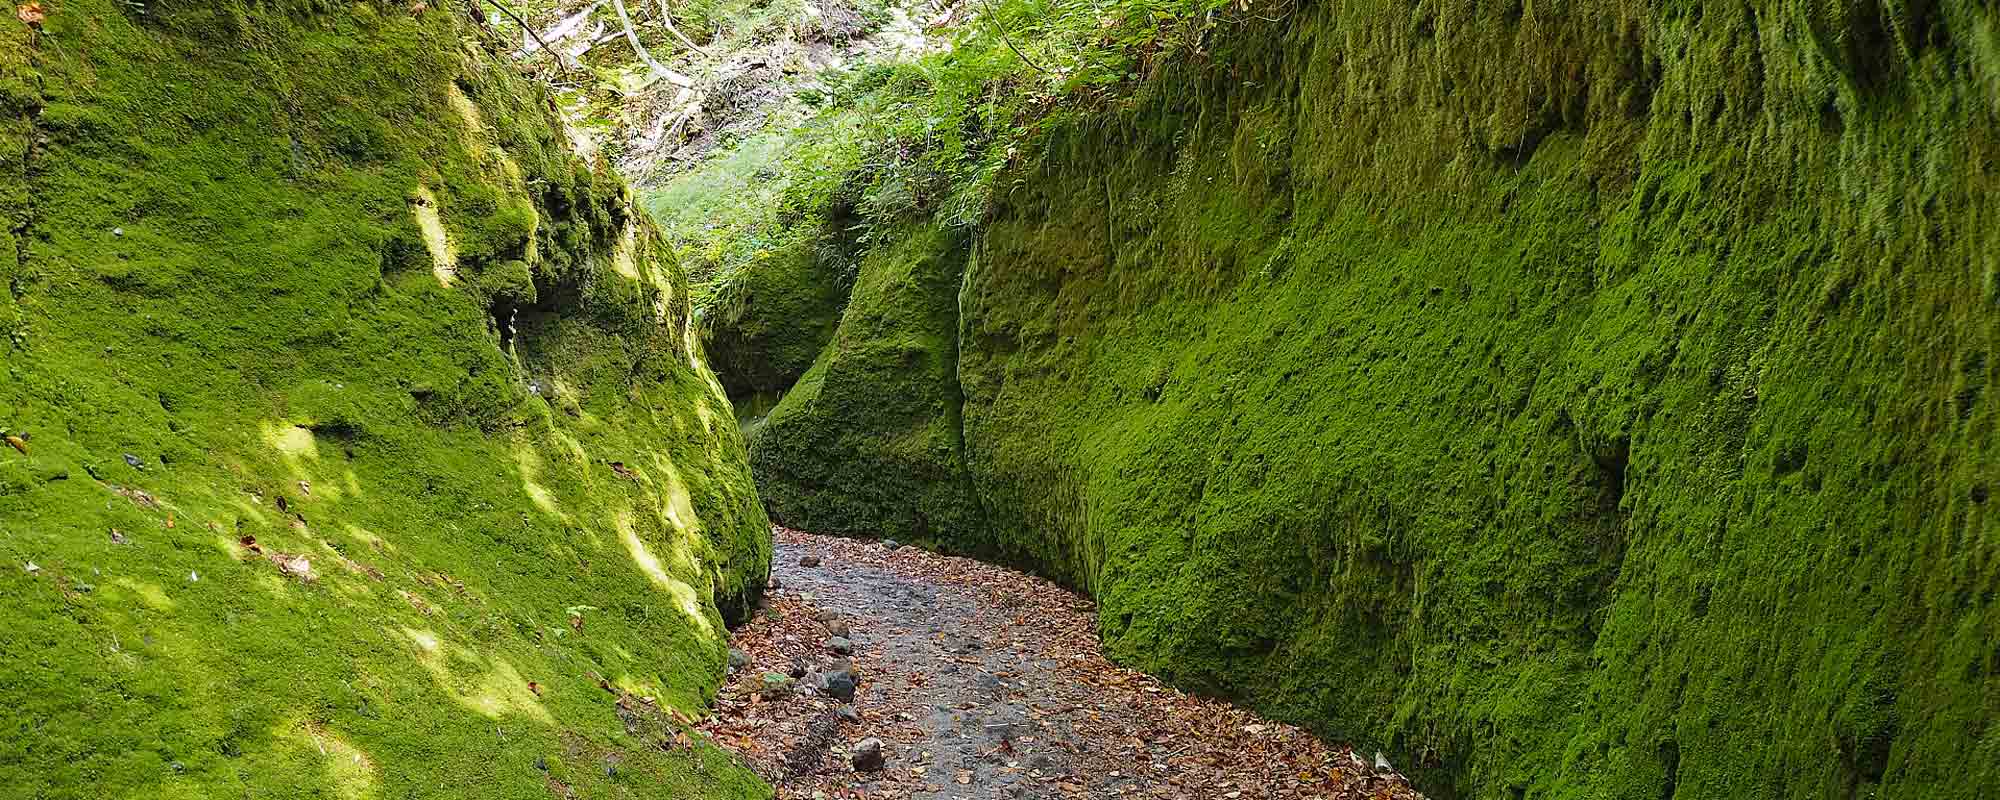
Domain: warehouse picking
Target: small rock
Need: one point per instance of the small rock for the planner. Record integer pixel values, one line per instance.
(824, 615)
(135, 462)
(848, 712)
(841, 645)
(118, 232)
(838, 628)
(1007, 731)
(839, 685)
(1382, 763)
(868, 756)
(890, 544)
(799, 670)
(809, 561)
(542, 763)
(775, 680)
(738, 659)
(31, 568)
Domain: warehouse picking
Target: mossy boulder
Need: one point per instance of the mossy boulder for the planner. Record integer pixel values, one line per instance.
(767, 323)
(292, 513)
(867, 442)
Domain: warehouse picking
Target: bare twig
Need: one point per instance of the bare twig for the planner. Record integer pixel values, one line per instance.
(532, 32)
(667, 19)
(633, 37)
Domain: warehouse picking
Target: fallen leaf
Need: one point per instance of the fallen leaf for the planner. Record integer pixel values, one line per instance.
(31, 14)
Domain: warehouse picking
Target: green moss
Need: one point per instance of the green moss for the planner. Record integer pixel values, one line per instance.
(1606, 454)
(767, 243)
(868, 441)
(763, 328)
(230, 330)
(1573, 402)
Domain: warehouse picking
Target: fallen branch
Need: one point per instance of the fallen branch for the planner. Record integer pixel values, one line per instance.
(532, 32)
(667, 19)
(625, 19)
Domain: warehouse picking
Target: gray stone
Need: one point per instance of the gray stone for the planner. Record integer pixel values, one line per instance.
(868, 756)
(840, 644)
(839, 685)
(809, 561)
(738, 659)
(890, 544)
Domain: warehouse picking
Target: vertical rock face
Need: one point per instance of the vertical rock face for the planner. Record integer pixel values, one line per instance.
(1577, 402)
(868, 440)
(363, 450)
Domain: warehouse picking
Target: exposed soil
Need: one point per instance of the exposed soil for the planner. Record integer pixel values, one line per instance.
(986, 683)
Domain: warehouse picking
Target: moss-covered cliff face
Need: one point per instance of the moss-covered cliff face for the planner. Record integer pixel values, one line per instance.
(359, 447)
(868, 441)
(765, 329)
(1578, 401)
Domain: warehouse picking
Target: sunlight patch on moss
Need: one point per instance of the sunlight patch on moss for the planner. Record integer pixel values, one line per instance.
(291, 441)
(444, 254)
(468, 114)
(529, 463)
(149, 593)
(350, 772)
(683, 594)
(496, 691)
(624, 259)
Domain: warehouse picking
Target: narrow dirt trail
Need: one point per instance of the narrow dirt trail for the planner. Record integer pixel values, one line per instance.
(980, 682)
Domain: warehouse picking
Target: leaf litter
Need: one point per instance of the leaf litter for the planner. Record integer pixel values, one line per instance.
(986, 683)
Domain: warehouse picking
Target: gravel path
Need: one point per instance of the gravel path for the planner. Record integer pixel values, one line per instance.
(981, 682)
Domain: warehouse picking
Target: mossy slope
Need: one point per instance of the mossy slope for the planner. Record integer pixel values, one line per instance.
(1575, 400)
(367, 454)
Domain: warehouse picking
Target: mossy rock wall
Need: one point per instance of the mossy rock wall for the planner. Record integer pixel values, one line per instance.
(1579, 401)
(868, 441)
(1574, 400)
(363, 451)
(767, 326)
